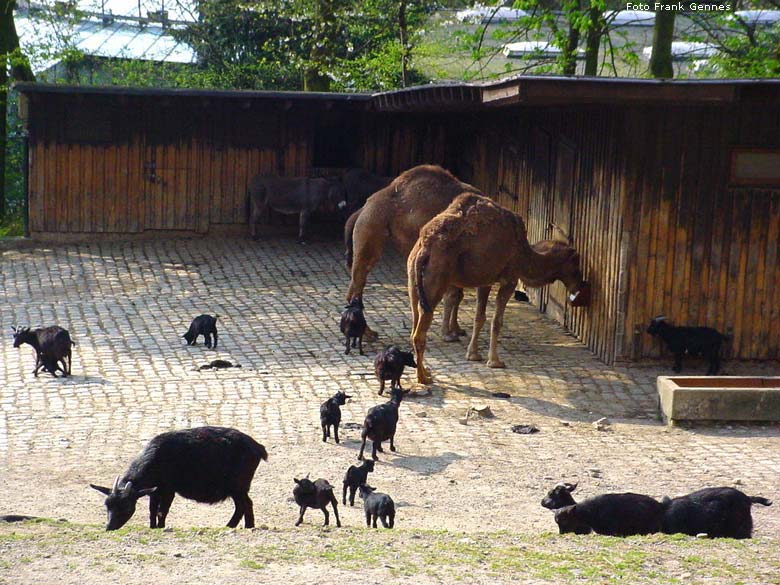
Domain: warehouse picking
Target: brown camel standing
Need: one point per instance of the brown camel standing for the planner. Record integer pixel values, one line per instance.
(477, 243)
(396, 214)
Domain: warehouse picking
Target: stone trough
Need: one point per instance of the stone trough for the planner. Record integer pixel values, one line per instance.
(718, 398)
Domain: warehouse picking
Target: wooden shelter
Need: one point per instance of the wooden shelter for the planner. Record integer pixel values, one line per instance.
(670, 190)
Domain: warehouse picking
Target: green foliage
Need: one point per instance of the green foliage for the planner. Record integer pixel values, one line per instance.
(12, 223)
(743, 50)
(271, 44)
(568, 25)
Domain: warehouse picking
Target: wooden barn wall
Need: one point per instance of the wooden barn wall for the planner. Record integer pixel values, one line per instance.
(702, 252)
(129, 164)
(562, 167)
(393, 143)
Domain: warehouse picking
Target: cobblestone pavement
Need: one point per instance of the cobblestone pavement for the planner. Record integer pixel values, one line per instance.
(128, 303)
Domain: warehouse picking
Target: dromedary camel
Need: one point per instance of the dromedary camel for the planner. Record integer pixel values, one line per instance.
(396, 213)
(477, 243)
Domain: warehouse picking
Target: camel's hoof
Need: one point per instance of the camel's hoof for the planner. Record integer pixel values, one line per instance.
(495, 364)
(426, 380)
(474, 357)
(450, 337)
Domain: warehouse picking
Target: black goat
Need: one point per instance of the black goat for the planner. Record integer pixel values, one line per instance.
(377, 505)
(380, 423)
(204, 325)
(560, 496)
(389, 365)
(355, 477)
(703, 341)
(718, 512)
(612, 514)
(353, 324)
(330, 415)
(315, 494)
(206, 464)
(52, 346)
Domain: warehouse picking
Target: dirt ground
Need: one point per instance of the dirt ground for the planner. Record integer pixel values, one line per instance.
(127, 305)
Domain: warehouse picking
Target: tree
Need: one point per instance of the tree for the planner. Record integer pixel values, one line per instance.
(13, 60)
(562, 25)
(318, 45)
(745, 47)
(663, 34)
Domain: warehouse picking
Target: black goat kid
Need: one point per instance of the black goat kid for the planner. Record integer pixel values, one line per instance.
(330, 415)
(315, 494)
(206, 464)
(353, 324)
(381, 422)
(377, 505)
(703, 341)
(354, 478)
(204, 325)
(389, 365)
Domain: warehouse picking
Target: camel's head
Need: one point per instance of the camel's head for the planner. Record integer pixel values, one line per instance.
(571, 276)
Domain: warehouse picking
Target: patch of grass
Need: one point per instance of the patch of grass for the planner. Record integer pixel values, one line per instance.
(250, 564)
(439, 555)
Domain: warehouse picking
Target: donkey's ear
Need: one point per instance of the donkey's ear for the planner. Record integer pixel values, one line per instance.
(100, 488)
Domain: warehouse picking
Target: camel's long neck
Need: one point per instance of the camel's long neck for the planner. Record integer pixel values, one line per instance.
(537, 269)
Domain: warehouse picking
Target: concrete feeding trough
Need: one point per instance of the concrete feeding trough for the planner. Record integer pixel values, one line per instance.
(713, 398)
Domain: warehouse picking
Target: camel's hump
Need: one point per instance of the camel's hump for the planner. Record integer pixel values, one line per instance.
(470, 213)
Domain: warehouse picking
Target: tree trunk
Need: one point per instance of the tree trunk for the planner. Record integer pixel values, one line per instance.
(315, 77)
(569, 57)
(9, 42)
(403, 32)
(663, 33)
(570, 51)
(593, 40)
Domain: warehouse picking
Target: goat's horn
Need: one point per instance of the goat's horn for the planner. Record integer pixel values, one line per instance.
(129, 485)
(116, 484)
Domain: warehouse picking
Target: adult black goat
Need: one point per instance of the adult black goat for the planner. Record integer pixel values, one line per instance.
(52, 347)
(205, 464)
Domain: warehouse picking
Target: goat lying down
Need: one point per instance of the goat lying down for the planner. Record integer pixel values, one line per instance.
(720, 512)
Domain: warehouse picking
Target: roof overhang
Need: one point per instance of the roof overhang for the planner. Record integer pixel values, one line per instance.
(540, 91)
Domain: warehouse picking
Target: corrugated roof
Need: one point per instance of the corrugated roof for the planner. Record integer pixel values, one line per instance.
(178, 10)
(117, 39)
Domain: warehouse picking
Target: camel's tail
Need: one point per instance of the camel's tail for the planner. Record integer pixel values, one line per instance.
(349, 229)
(420, 262)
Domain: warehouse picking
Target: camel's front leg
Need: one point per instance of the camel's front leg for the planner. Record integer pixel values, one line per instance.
(502, 298)
(449, 321)
(367, 244)
(472, 353)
